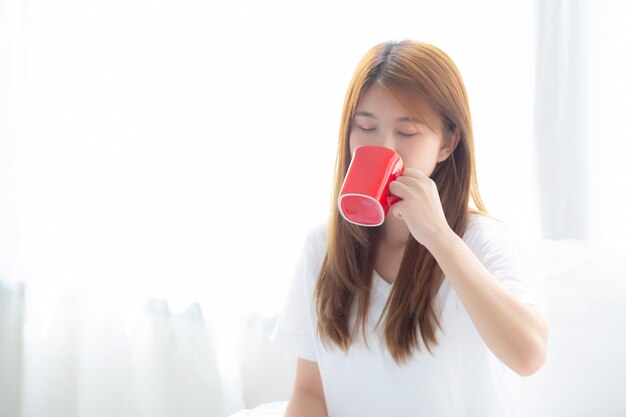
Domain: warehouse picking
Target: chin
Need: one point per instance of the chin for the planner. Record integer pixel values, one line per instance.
(392, 219)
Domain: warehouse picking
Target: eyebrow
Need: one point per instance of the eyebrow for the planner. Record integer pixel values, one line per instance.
(401, 119)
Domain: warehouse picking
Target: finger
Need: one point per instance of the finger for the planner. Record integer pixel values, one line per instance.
(399, 189)
(408, 181)
(396, 210)
(414, 172)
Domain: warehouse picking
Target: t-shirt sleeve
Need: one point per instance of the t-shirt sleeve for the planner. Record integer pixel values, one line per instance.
(294, 330)
(499, 251)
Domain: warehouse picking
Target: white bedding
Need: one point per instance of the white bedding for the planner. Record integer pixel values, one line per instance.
(273, 409)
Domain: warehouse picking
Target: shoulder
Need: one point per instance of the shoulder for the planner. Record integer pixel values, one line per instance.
(480, 222)
(499, 247)
(316, 237)
(314, 248)
(484, 231)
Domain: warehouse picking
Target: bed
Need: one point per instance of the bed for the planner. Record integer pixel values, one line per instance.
(583, 292)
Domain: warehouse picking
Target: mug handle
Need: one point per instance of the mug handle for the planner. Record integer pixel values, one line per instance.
(393, 199)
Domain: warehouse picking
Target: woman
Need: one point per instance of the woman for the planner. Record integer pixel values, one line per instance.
(436, 274)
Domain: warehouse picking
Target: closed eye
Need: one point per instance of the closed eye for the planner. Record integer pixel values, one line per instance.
(373, 129)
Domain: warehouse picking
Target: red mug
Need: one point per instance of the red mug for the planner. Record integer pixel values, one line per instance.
(364, 197)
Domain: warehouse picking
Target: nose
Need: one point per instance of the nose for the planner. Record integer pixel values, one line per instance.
(387, 140)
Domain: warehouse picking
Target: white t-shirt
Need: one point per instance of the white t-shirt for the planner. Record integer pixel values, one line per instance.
(463, 378)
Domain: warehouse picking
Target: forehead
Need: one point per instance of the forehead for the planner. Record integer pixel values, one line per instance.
(384, 102)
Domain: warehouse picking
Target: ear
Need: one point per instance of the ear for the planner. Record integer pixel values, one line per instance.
(449, 144)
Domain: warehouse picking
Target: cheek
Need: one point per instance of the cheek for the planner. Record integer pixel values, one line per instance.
(410, 151)
(416, 157)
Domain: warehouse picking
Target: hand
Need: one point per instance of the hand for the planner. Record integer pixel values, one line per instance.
(420, 207)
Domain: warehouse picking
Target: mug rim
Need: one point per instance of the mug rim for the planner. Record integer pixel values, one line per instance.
(380, 208)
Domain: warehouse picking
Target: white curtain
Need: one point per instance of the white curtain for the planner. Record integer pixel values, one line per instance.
(161, 162)
(579, 105)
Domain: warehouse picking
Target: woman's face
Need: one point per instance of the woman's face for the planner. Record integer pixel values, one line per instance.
(381, 120)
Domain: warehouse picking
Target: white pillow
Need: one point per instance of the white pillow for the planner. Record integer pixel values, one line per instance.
(268, 372)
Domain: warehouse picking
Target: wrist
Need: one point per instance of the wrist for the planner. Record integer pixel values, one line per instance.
(441, 240)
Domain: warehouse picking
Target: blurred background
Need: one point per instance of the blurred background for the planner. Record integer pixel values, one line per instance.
(161, 163)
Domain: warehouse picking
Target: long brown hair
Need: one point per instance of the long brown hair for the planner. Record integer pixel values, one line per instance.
(410, 70)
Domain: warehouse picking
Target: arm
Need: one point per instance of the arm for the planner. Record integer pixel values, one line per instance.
(307, 399)
(515, 332)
